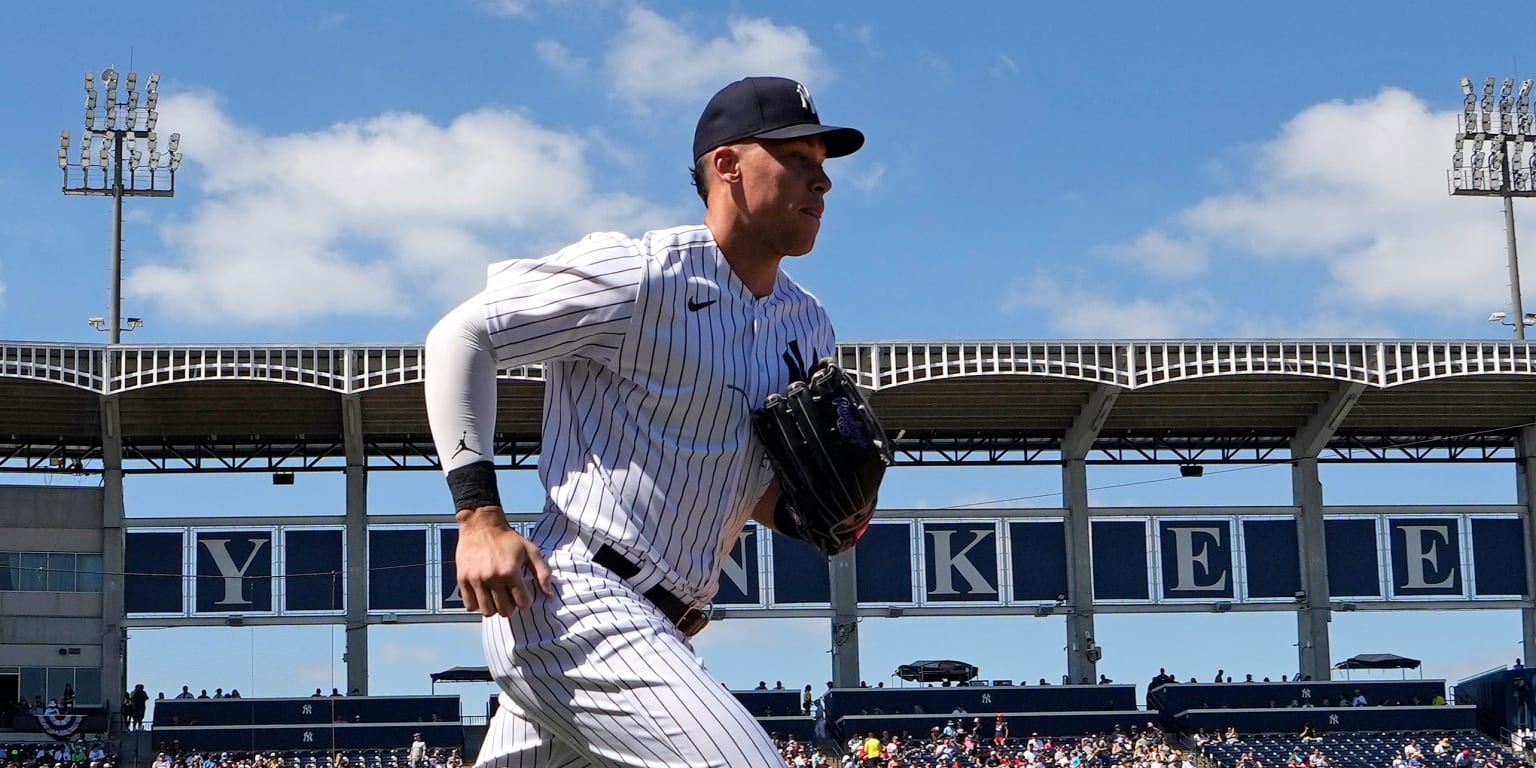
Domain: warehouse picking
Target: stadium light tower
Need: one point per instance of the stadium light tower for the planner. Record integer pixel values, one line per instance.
(111, 163)
(1488, 162)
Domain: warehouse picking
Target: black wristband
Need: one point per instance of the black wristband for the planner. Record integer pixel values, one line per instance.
(474, 486)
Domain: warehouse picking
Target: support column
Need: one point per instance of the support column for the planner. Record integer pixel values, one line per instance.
(114, 646)
(1525, 492)
(357, 545)
(1312, 654)
(1082, 649)
(843, 572)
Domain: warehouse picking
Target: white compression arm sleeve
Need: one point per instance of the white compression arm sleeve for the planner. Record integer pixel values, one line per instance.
(461, 386)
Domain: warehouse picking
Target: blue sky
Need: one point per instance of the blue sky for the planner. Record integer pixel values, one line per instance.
(1033, 170)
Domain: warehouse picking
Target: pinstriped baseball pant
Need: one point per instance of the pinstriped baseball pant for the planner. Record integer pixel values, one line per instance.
(597, 676)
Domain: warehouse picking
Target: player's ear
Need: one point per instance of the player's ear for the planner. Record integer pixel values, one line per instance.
(726, 163)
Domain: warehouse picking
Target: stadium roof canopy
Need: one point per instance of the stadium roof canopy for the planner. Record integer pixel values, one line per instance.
(266, 408)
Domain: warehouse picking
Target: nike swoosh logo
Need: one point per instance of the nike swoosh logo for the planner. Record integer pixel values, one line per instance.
(694, 306)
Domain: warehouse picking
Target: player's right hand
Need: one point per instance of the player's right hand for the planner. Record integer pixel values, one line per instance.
(493, 562)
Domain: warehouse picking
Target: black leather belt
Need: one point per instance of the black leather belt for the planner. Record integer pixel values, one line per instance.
(688, 619)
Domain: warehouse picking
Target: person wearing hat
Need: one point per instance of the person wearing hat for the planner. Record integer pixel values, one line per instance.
(655, 350)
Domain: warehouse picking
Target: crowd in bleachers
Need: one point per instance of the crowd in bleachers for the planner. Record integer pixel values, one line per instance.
(1309, 749)
(957, 746)
(87, 752)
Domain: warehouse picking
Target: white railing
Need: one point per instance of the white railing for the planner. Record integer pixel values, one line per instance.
(350, 369)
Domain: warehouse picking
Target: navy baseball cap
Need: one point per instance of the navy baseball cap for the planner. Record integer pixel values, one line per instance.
(768, 108)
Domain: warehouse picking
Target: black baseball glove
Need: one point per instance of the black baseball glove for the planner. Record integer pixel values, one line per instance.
(830, 455)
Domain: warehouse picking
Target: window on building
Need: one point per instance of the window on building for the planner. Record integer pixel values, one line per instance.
(49, 572)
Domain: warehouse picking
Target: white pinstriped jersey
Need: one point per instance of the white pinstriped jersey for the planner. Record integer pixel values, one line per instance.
(655, 354)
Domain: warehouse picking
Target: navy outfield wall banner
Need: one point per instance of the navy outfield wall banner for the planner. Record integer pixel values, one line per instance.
(449, 597)
(1354, 569)
(884, 564)
(234, 571)
(1271, 558)
(1426, 557)
(740, 580)
(397, 569)
(1196, 558)
(800, 576)
(960, 562)
(1038, 555)
(314, 569)
(1119, 559)
(154, 562)
(1498, 556)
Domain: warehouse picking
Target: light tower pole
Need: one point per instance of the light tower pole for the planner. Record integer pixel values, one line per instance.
(1504, 125)
(112, 165)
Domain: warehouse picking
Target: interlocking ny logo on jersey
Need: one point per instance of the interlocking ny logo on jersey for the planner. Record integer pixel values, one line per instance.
(694, 306)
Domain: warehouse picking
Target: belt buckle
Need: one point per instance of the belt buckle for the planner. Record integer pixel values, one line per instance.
(692, 621)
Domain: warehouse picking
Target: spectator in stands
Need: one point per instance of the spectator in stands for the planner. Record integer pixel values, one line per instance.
(1443, 746)
(805, 699)
(762, 685)
(234, 693)
(138, 702)
(779, 685)
(317, 694)
(417, 755)
(335, 693)
(185, 694)
(203, 694)
(1358, 700)
(67, 698)
(1308, 734)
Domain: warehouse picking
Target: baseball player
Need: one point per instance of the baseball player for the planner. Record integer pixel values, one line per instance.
(656, 349)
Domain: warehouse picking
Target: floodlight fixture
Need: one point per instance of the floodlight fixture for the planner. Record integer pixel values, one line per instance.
(118, 121)
(1497, 317)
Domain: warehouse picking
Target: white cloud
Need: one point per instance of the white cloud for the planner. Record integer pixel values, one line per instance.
(935, 64)
(863, 34)
(367, 217)
(330, 21)
(863, 179)
(1004, 66)
(655, 62)
(505, 7)
(560, 58)
(1356, 188)
(1156, 252)
(1087, 313)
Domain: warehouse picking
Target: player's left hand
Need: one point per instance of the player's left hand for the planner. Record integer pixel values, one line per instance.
(493, 562)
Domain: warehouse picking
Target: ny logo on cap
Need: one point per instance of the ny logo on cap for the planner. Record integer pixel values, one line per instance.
(805, 98)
